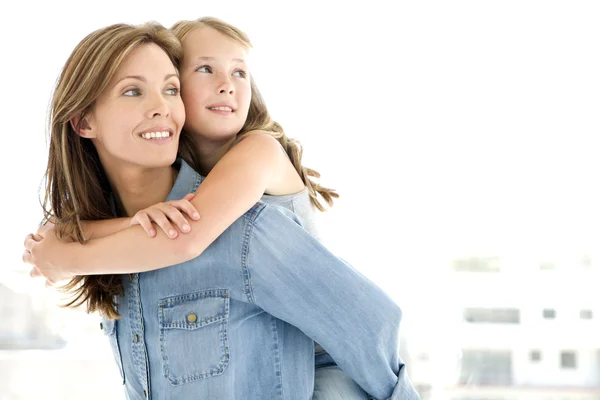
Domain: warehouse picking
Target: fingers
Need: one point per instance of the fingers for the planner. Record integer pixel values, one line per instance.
(142, 219)
(189, 196)
(31, 240)
(34, 273)
(26, 257)
(186, 207)
(28, 240)
(165, 217)
(168, 216)
(176, 211)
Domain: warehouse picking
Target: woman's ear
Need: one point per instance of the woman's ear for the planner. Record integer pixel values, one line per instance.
(82, 127)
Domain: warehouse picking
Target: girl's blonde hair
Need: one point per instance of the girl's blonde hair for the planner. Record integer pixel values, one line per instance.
(77, 188)
(258, 115)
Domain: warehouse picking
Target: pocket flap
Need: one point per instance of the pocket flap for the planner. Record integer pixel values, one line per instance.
(194, 310)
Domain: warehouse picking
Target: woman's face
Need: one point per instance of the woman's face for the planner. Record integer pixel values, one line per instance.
(215, 84)
(137, 119)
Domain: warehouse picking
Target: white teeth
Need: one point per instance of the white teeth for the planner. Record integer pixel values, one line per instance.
(155, 135)
(221, 108)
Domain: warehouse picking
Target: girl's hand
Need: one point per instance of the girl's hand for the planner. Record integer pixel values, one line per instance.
(165, 215)
(42, 252)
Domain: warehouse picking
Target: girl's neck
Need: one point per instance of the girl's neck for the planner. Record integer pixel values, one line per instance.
(210, 152)
(138, 188)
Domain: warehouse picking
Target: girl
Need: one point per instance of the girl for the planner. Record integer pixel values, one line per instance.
(116, 131)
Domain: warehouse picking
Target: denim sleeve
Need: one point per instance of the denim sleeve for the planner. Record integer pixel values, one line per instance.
(292, 276)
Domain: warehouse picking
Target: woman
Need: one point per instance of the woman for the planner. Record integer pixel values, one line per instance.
(116, 132)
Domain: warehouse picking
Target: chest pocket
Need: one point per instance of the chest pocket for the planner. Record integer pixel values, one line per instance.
(193, 335)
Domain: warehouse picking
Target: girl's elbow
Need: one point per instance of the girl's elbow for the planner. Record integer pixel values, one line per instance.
(189, 246)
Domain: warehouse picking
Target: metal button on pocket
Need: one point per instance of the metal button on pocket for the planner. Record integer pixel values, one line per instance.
(192, 318)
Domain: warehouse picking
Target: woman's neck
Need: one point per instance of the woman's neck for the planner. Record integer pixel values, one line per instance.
(138, 188)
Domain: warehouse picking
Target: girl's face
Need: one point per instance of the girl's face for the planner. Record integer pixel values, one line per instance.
(137, 119)
(215, 85)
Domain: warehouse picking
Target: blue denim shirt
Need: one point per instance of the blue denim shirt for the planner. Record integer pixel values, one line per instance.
(239, 321)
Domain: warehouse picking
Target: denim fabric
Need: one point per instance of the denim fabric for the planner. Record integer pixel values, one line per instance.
(240, 321)
(331, 383)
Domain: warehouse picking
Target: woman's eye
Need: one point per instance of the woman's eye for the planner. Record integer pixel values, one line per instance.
(132, 92)
(173, 91)
(240, 73)
(204, 68)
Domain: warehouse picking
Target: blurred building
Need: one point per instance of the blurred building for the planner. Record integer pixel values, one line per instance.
(519, 328)
(26, 322)
(62, 351)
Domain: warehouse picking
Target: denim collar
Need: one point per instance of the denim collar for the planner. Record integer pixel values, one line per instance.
(187, 181)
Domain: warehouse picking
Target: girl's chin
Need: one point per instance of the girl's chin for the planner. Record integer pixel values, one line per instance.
(215, 134)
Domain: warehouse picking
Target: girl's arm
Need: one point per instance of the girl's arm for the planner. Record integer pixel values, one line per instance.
(102, 228)
(255, 165)
(162, 214)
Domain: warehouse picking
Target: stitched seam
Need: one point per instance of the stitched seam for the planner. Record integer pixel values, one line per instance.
(251, 217)
(276, 350)
(196, 183)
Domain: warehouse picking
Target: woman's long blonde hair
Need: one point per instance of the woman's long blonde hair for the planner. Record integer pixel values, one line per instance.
(258, 115)
(77, 188)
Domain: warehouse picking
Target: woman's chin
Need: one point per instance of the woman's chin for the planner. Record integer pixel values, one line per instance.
(160, 162)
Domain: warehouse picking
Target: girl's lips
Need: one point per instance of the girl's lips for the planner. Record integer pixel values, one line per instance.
(221, 111)
(221, 107)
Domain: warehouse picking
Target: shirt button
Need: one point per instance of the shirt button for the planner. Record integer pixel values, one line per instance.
(101, 326)
(145, 394)
(137, 338)
(192, 318)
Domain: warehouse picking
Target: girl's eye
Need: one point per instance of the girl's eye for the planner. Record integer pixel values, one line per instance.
(204, 68)
(239, 73)
(132, 92)
(173, 91)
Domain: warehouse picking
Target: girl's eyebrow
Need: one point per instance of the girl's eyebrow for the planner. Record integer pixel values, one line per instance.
(212, 58)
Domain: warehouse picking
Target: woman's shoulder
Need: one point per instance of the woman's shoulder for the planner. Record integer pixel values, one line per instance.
(300, 204)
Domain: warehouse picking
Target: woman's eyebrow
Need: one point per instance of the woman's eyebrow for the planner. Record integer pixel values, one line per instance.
(141, 78)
